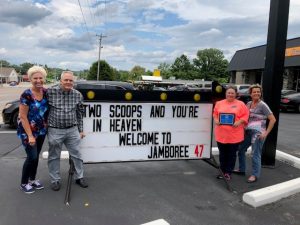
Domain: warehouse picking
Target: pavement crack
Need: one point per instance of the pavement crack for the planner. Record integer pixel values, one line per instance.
(10, 151)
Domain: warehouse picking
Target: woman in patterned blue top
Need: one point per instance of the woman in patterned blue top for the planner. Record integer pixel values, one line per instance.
(32, 126)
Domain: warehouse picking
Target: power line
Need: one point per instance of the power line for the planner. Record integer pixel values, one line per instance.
(100, 9)
(91, 14)
(85, 22)
(105, 16)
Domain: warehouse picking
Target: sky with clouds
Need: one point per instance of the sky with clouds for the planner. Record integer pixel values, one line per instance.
(62, 33)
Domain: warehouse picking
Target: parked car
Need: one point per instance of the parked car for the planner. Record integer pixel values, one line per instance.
(108, 85)
(10, 112)
(191, 87)
(285, 92)
(158, 89)
(242, 87)
(290, 102)
(239, 87)
(13, 83)
(244, 95)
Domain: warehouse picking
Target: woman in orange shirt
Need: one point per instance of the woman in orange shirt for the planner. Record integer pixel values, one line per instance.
(230, 116)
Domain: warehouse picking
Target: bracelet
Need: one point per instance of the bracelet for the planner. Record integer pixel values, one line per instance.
(30, 135)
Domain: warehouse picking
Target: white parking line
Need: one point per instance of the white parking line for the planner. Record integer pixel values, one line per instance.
(157, 222)
(8, 132)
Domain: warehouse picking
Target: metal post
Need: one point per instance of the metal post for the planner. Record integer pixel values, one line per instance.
(99, 52)
(274, 68)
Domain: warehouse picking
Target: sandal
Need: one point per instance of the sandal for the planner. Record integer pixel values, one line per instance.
(252, 179)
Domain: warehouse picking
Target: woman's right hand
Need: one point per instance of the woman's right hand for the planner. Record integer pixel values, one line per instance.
(31, 140)
(217, 122)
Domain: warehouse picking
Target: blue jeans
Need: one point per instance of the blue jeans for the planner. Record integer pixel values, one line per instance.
(256, 152)
(32, 160)
(71, 138)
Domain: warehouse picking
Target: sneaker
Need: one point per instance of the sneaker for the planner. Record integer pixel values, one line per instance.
(36, 184)
(27, 188)
(55, 186)
(81, 182)
(219, 176)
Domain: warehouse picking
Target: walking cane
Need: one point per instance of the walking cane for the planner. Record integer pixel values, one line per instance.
(70, 177)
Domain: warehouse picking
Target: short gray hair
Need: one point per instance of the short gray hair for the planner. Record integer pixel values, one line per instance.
(66, 71)
(36, 69)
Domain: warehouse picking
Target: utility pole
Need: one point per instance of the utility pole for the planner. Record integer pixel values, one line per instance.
(100, 46)
(1, 72)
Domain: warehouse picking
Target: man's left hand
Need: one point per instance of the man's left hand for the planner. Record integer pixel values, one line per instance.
(82, 135)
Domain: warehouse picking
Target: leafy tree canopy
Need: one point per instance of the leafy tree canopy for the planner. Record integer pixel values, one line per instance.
(105, 73)
(165, 70)
(25, 66)
(136, 72)
(183, 69)
(4, 63)
(211, 64)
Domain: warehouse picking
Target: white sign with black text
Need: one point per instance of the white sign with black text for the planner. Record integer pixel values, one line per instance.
(146, 131)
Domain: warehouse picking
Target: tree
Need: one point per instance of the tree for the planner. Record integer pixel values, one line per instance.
(211, 64)
(83, 74)
(53, 74)
(183, 69)
(122, 75)
(165, 70)
(105, 73)
(25, 66)
(17, 68)
(4, 63)
(148, 73)
(136, 72)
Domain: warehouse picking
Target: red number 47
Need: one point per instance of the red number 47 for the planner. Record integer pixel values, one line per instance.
(199, 150)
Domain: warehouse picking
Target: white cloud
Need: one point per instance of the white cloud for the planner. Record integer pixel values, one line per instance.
(2, 50)
(22, 13)
(139, 32)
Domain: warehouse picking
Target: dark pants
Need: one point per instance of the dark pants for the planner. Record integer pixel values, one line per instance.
(227, 156)
(32, 160)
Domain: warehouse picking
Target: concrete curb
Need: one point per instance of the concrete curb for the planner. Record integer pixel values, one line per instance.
(275, 192)
(157, 222)
(272, 193)
(288, 159)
